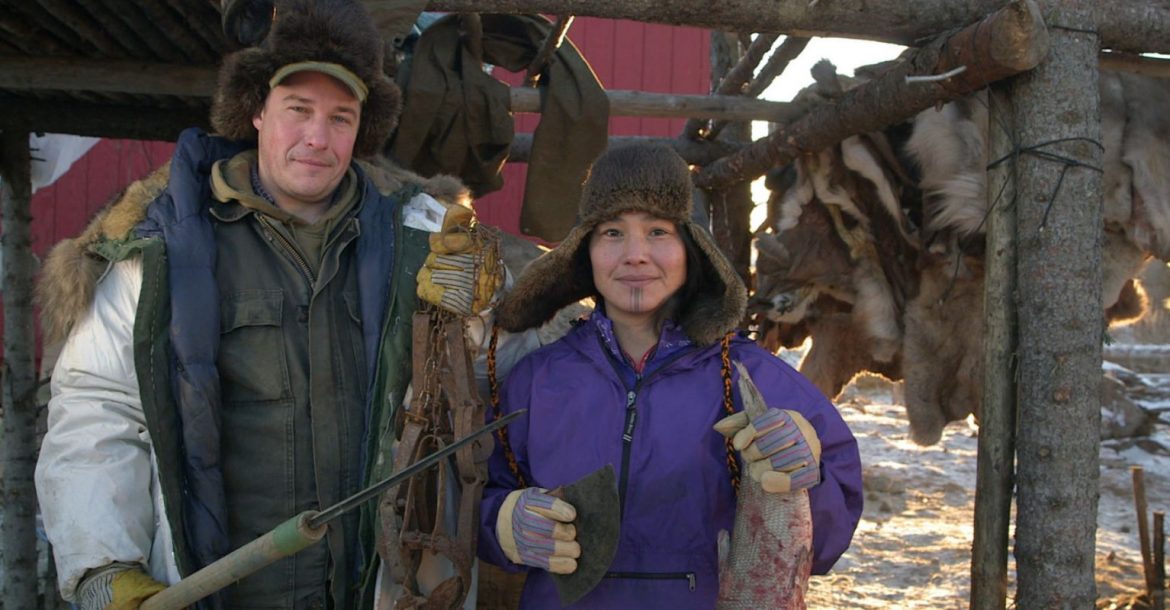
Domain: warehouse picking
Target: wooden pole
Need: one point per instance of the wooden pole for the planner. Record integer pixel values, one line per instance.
(640, 103)
(551, 43)
(1007, 42)
(735, 78)
(1143, 523)
(997, 421)
(1158, 597)
(1137, 27)
(694, 152)
(18, 450)
(1135, 64)
(1058, 280)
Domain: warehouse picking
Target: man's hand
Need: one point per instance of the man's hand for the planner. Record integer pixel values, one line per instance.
(462, 274)
(781, 449)
(118, 586)
(536, 529)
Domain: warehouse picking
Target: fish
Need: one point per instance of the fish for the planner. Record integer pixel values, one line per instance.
(766, 561)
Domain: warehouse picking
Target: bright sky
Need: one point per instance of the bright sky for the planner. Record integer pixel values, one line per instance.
(846, 54)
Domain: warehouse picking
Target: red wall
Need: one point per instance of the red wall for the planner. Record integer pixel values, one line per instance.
(63, 209)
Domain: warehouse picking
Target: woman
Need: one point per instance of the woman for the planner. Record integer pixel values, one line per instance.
(640, 385)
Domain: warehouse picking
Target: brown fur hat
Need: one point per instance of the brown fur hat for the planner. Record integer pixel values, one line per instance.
(332, 31)
(649, 178)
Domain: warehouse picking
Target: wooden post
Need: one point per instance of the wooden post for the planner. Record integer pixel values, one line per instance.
(1143, 524)
(997, 422)
(1158, 597)
(1059, 232)
(18, 451)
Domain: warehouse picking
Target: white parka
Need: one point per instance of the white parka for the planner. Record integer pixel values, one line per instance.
(97, 462)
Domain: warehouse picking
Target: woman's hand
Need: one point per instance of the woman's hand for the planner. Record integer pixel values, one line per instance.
(781, 449)
(536, 529)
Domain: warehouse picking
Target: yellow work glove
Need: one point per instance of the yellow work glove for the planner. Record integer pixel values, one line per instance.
(118, 586)
(462, 273)
(780, 449)
(536, 529)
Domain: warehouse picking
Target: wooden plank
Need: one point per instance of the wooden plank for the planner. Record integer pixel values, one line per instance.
(121, 76)
(1136, 26)
(1135, 64)
(639, 103)
(100, 120)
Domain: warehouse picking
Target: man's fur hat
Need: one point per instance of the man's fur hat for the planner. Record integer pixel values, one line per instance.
(647, 178)
(337, 32)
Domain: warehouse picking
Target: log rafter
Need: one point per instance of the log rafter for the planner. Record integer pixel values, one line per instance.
(1009, 41)
(1138, 27)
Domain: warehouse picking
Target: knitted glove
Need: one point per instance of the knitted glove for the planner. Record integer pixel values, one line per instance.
(535, 529)
(118, 586)
(781, 449)
(461, 274)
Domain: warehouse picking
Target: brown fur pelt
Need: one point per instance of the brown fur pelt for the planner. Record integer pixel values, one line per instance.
(71, 271)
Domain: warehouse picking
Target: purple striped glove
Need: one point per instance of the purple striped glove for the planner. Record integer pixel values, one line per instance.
(780, 448)
(536, 529)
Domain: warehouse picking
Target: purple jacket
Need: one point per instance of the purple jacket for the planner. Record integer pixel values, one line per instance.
(672, 475)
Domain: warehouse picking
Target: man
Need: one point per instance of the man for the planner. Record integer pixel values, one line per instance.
(240, 358)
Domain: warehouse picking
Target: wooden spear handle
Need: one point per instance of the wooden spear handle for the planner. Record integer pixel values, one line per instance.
(286, 539)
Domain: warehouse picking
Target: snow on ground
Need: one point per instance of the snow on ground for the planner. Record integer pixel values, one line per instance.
(912, 548)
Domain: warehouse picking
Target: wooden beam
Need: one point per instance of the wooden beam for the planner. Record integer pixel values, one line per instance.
(1009, 41)
(1138, 27)
(1135, 64)
(695, 152)
(122, 76)
(98, 120)
(55, 74)
(18, 543)
(639, 103)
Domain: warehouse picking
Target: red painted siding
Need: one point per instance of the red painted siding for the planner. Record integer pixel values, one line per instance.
(63, 209)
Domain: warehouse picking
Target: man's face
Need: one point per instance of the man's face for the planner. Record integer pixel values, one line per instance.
(306, 131)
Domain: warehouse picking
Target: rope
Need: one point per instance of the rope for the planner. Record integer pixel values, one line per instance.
(496, 412)
(728, 406)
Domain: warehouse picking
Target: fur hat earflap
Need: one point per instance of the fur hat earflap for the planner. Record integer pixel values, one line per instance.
(337, 35)
(649, 178)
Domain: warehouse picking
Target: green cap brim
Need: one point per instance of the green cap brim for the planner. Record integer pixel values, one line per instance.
(337, 71)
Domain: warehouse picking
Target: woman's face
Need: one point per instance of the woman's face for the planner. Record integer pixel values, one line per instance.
(639, 262)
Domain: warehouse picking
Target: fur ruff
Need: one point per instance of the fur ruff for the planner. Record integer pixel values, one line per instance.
(335, 31)
(635, 178)
(72, 269)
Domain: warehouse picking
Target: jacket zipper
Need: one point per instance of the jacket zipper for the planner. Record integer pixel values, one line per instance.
(631, 417)
(689, 576)
(289, 248)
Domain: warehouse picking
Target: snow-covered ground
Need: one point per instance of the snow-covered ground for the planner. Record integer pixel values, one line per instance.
(913, 546)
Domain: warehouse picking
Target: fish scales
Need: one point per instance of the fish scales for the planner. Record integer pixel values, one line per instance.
(769, 558)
